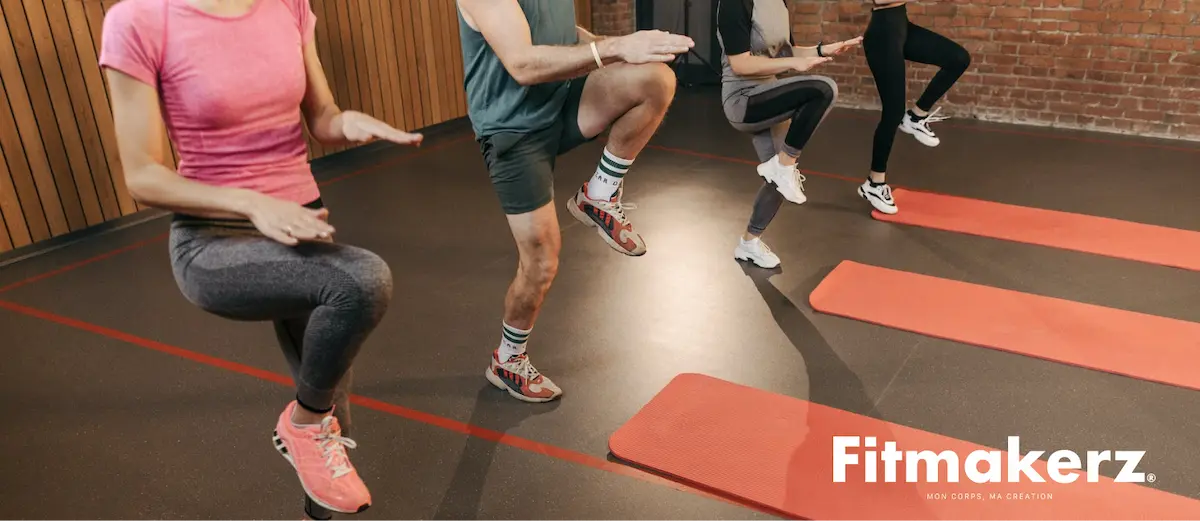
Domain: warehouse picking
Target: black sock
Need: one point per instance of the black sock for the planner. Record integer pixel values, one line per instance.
(315, 511)
(874, 184)
(915, 117)
(313, 410)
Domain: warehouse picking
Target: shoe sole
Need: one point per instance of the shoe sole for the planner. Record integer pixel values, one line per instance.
(495, 380)
(281, 448)
(891, 210)
(747, 258)
(779, 188)
(921, 138)
(573, 209)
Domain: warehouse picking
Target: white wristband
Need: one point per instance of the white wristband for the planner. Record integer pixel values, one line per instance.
(596, 54)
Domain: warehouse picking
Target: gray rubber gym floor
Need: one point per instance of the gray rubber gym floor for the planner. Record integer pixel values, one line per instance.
(124, 401)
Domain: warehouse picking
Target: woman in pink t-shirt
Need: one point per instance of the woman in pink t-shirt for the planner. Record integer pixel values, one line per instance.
(235, 82)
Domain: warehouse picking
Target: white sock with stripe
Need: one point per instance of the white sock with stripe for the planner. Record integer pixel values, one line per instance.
(512, 341)
(609, 175)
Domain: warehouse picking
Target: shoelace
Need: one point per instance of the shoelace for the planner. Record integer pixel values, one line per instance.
(616, 209)
(932, 117)
(887, 192)
(522, 366)
(333, 448)
(800, 179)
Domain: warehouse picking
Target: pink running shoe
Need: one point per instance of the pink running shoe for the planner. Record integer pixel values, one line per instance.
(318, 452)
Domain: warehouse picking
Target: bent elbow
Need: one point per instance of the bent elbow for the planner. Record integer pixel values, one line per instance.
(523, 77)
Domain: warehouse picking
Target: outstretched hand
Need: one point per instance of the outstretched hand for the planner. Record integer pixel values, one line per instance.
(361, 128)
(835, 49)
(650, 47)
(804, 63)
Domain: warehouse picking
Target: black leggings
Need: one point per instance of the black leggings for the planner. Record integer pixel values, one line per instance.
(781, 116)
(889, 41)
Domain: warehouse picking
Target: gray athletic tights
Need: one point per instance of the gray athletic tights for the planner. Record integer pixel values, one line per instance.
(781, 116)
(324, 299)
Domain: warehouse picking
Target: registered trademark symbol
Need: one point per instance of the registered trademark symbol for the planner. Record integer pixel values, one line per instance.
(1151, 478)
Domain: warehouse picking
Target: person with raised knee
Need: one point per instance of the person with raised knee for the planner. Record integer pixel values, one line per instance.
(235, 82)
(537, 87)
(780, 113)
(890, 41)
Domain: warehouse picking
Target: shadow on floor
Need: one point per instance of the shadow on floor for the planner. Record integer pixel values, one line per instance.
(830, 380)
(495, 410)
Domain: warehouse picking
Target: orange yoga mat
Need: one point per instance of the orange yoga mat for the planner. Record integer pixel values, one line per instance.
(1122, 342)
(777, 453)
(1069, 231)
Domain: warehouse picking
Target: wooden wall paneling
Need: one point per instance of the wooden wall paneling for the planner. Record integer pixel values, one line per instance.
(430, 63)
(31, 173)
(394, 28)
(459, 89)
(408, 32)
(391, 68)
(36, 121)
(95, 10)
(110, 163)
(5, 241)
(16, 232)
(376, 52)
(420, 27)
(363, 57)
(350, 74)
(81, 190)
(331, 44)
(453, 61)
(446, 65)
(102, 193)
(440, 67)
(322, 40)
(384, 79)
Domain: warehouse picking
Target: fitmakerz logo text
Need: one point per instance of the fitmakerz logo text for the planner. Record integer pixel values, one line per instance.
(980, 466)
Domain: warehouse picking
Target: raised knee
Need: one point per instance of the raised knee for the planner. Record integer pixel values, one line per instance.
(367, 285)
(657, 81)
(829, 90)
(960, 60)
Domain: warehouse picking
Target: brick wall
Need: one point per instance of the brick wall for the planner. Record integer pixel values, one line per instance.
(1128, 66)
(613, 17)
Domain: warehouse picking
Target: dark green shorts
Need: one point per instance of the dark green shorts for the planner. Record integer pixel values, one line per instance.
(522, 165)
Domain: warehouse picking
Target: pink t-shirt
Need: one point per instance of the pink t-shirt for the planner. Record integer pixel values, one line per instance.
(230, 88)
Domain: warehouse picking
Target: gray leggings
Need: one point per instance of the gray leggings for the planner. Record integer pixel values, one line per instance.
(780, 115)
(324, 298)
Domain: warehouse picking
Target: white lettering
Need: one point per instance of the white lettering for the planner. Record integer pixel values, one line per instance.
(1131, 459)
(931, 460)
(1057, 465)
(993, 459)
(1018, 465)
(841, 459)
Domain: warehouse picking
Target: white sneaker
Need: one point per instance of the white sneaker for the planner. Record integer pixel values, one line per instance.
(920, 129)
(879, 196)
(757, 252)
(787, 179)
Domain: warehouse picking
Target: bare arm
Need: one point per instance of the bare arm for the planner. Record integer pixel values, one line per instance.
(503, 25)
(328, 123)
(319, 107)
(140, 131)
(749, 65)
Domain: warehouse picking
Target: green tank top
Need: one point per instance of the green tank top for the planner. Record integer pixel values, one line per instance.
(495, 101)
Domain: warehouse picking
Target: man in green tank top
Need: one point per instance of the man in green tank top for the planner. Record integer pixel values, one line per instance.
(537, 87)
